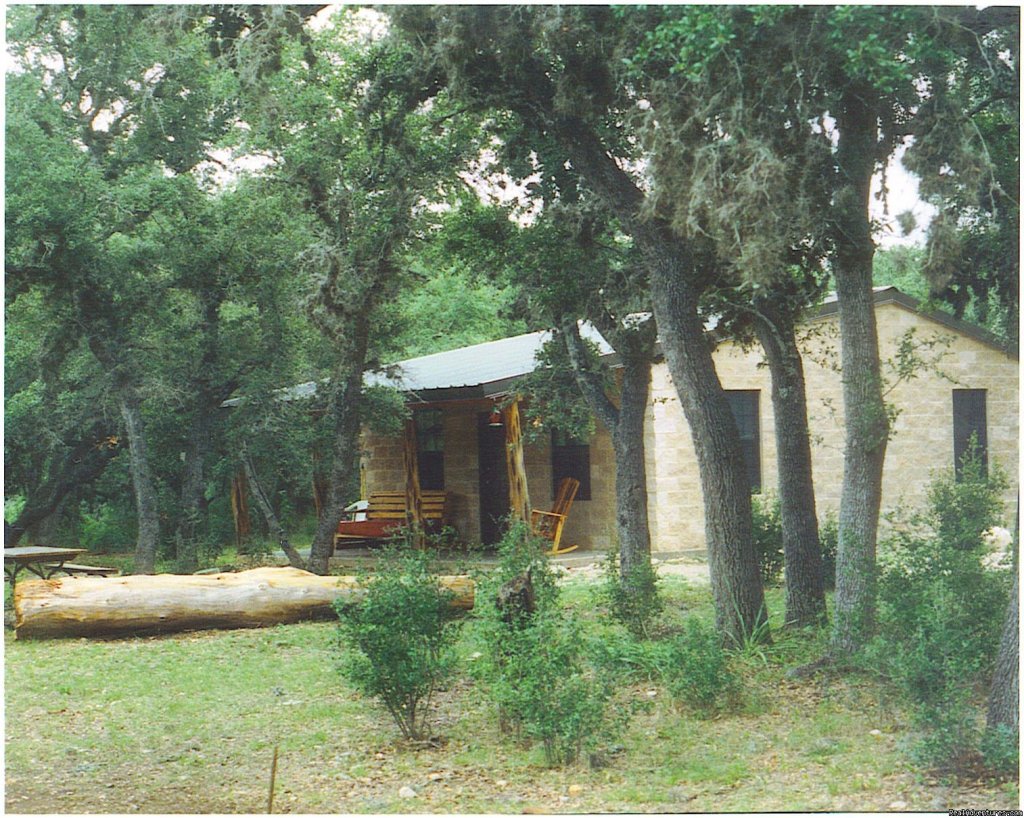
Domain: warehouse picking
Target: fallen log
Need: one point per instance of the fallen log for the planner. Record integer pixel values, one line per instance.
(164, 603)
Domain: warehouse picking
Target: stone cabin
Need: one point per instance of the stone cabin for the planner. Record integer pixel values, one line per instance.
(970, 388)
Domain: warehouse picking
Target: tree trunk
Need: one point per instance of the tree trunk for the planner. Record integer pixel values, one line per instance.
(631, 468)
(45, 530)
(142, 481)
(736, 583)
(625, 424)
(1004, 698)
(346, 410)
(867, 425)
(192, 493)
(208, 397)
(805, 586)
(124, 606)
(276, 529)
(83, 464)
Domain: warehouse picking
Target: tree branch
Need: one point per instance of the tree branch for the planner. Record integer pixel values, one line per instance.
(588, 380)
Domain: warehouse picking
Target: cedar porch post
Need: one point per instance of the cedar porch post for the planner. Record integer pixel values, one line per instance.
(518, 491)
(413, 500)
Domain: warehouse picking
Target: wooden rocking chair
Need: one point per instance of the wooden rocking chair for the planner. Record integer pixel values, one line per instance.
(549, 524)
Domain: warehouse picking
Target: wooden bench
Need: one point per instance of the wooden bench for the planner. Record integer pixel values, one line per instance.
(73, 568)
(385, 514)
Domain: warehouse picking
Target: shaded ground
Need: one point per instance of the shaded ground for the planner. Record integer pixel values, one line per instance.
(189, 723)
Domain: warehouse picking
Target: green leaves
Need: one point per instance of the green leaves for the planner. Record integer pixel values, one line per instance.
(400, 639)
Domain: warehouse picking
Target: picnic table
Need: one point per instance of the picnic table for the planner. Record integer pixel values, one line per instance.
(42, 560)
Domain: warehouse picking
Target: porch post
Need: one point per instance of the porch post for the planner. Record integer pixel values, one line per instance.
(413, 501)
(518, 491)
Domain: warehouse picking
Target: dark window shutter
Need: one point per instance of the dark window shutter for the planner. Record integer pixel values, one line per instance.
(970, 423)
(746, 408)
(570, 458)
(430, 448)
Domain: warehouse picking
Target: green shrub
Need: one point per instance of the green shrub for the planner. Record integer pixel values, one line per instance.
(1001, 749)
(693, 665)
(768, 536)
(400, 638)
(532, 663)
(939, 619)
(828, 537)
(964, 507)
(108, 527)
(950, 734)
(698, 671)
(617, 653)
(634, 599)
(13, 506)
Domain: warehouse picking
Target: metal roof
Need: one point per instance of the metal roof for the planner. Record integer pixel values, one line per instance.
(478, 371)
(479, 365)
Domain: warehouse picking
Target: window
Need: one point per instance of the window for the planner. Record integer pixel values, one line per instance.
(970, 426)
(430, 448)
(746, 408)
(570, 457)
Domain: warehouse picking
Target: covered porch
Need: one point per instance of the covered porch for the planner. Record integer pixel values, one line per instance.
(466, 437)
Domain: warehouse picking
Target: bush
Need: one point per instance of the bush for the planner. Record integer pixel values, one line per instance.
(108, 527)
(964, 507)
(400, 638)
(768, 536)
(694, 667)
(532, 663)
(1001, 750)
(634, 599)
(699, 673)
(828, 537)
(938, 607)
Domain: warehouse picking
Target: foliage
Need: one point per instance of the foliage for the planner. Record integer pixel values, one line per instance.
(555, 402)
(452, 306)
(1001, 750)
(634, 600)
(108, 528)
(767, 516)
(900, 267)
(938, 633)
(400, 638)
(702, 676)
(967, 505)
(693, 665)
(171, 279)
(532, 663)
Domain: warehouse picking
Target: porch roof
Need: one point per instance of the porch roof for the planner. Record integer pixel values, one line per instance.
(482, 370)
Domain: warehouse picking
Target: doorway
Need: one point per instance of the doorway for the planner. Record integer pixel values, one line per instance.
(494, 505)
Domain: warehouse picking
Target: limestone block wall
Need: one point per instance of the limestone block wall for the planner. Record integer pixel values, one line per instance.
(591, 523)
(923, 431)
(382, 464)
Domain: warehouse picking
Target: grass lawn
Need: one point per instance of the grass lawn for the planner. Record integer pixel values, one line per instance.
(189, 723)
